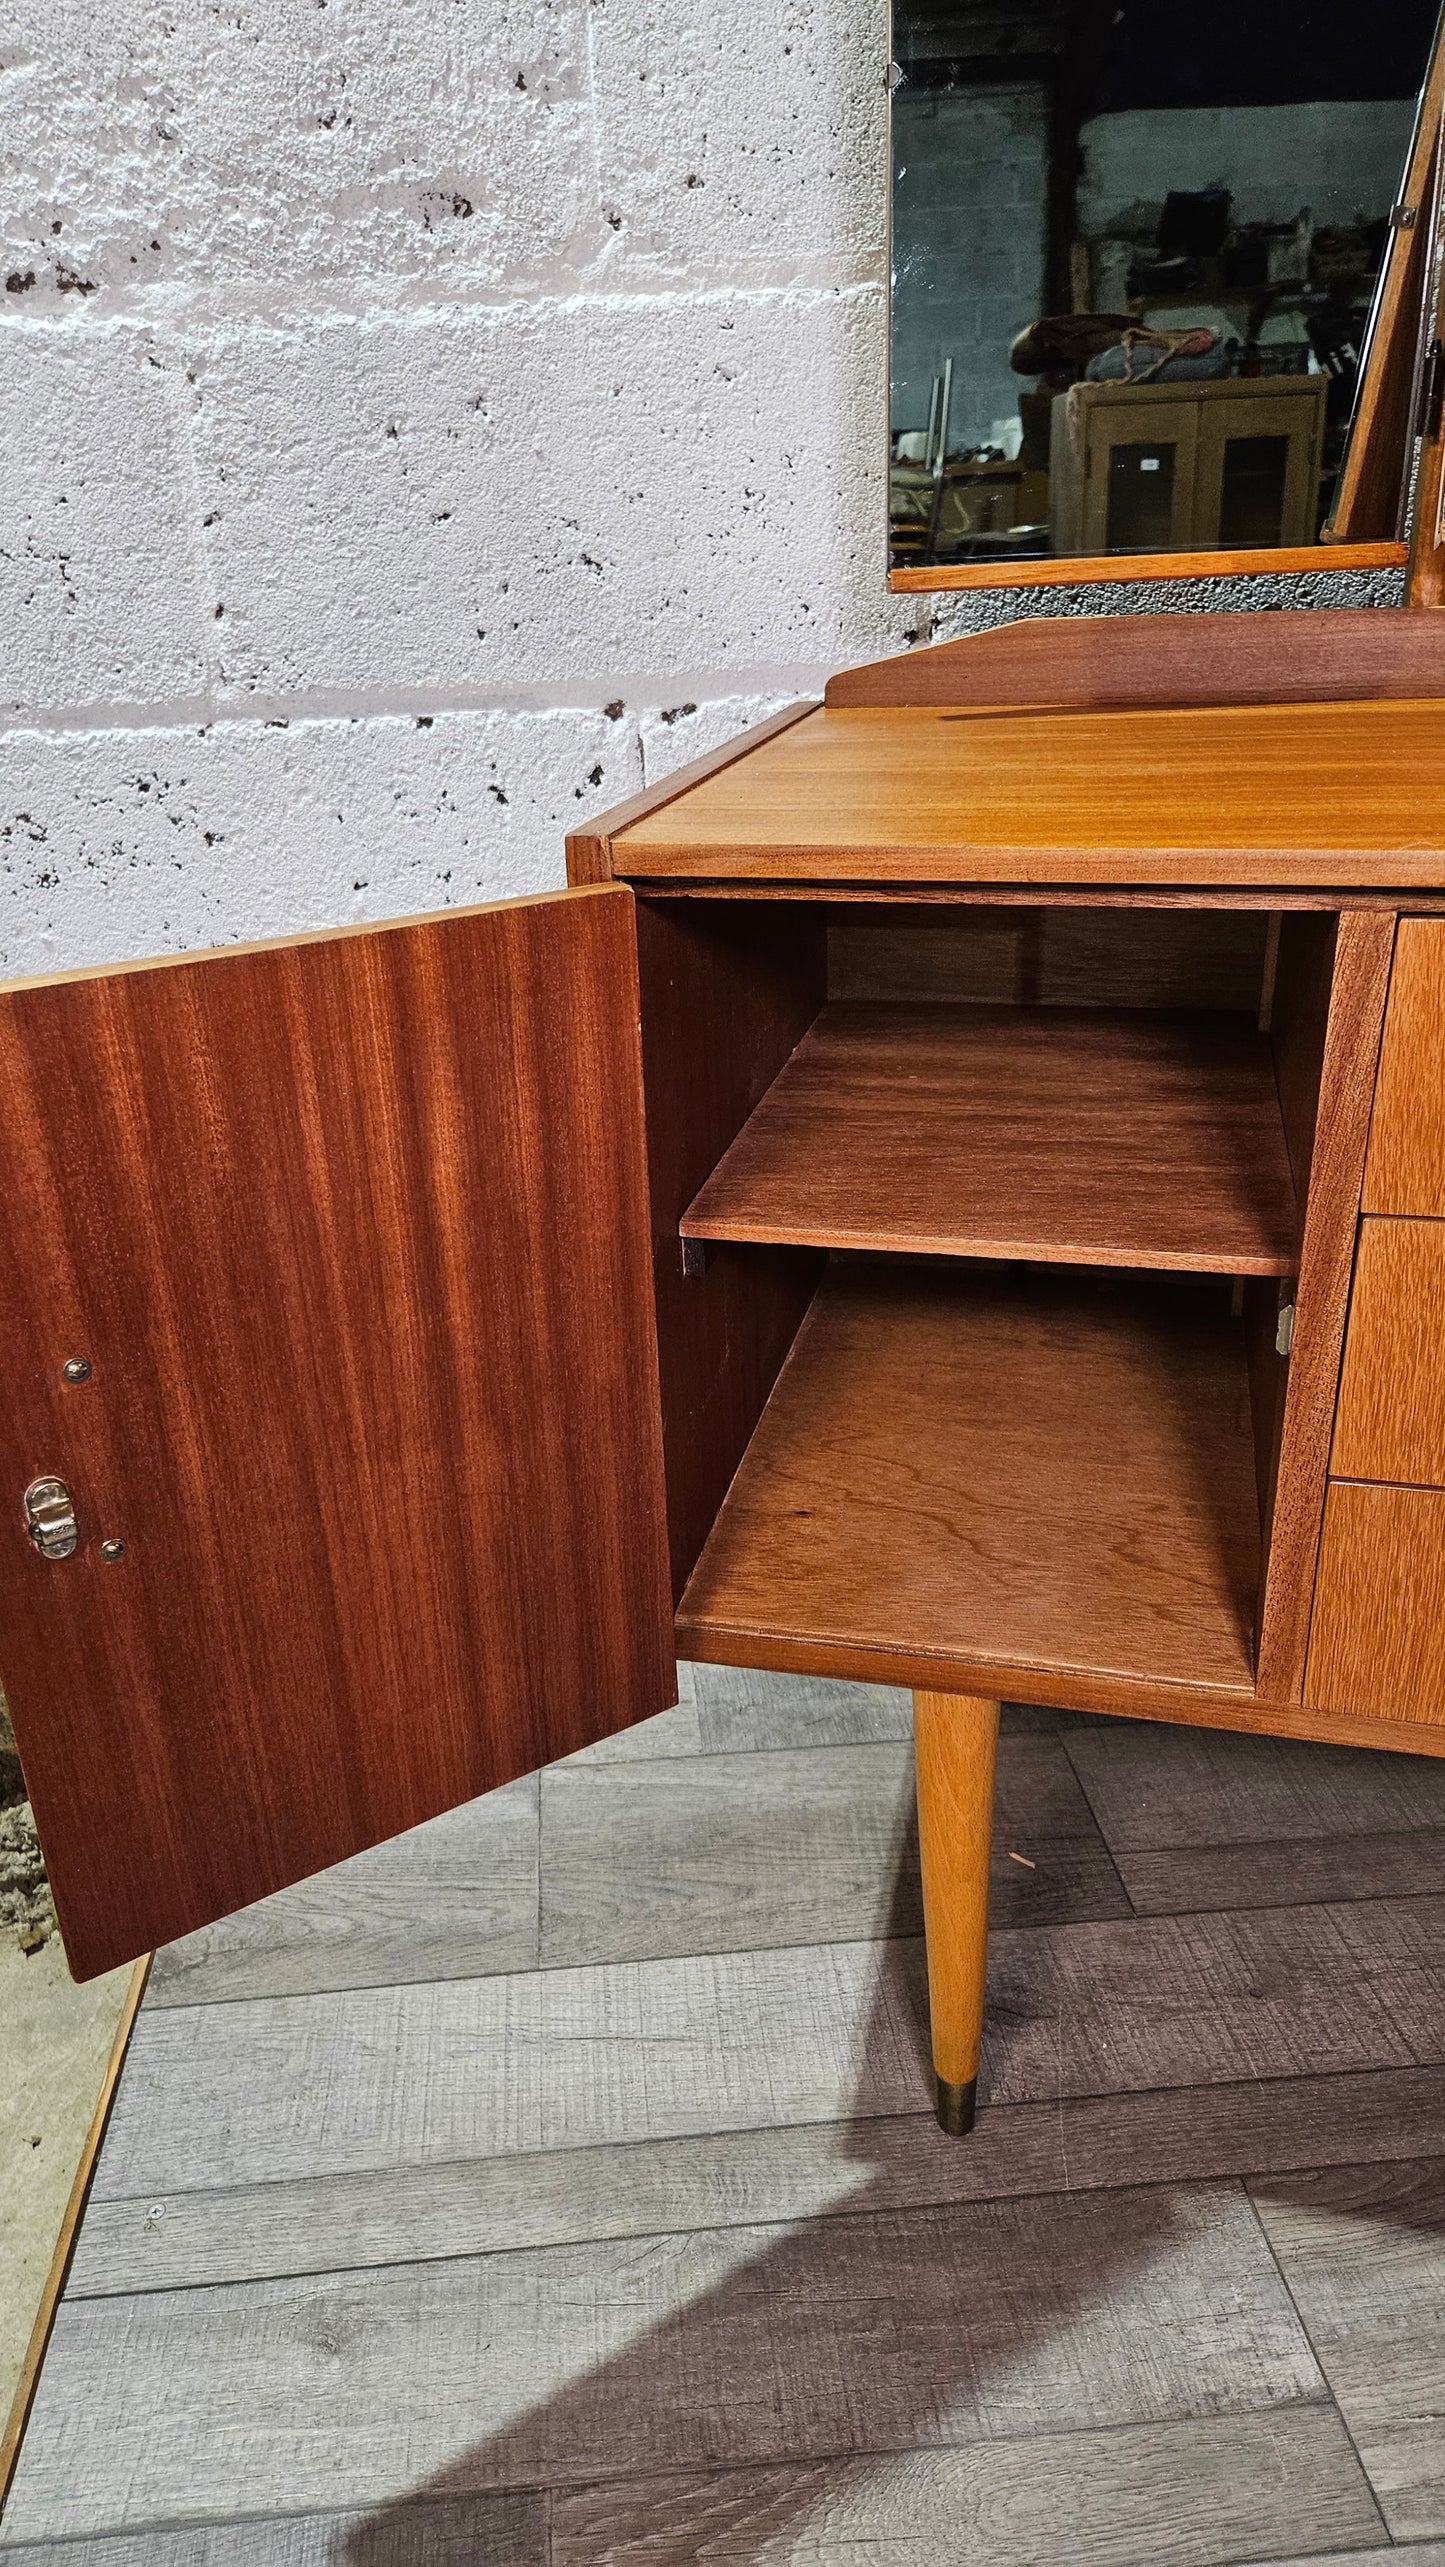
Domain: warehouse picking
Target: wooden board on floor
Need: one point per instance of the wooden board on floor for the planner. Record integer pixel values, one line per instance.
(817, 2170)
(1129, 1137)
(1026, 2314)
(1044, 1473)
(1189, 2493)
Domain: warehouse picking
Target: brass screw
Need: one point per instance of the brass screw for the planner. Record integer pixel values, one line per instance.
(112, 1550)
(77, 1370)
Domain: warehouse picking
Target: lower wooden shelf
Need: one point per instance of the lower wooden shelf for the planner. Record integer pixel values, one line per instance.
(1037, 1472)
(1089, 1135)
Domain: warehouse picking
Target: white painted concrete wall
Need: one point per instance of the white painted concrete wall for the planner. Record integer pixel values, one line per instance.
(422, 420)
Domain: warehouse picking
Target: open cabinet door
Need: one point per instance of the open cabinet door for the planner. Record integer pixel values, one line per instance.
(349, 1239)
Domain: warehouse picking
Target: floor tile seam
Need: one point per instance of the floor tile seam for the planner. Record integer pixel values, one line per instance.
(74, 2542)
(775, 2226)
(1318, 2358)
(1050, 2105)
(652, 2477)
(484, 1978)
(156, 2004)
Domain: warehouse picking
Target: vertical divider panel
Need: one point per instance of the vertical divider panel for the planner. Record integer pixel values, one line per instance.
(728, 989)
(1327, 1024)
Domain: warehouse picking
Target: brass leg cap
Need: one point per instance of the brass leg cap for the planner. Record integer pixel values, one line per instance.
(954, 2106)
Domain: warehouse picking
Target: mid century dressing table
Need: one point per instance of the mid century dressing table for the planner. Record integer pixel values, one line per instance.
(952, 1195)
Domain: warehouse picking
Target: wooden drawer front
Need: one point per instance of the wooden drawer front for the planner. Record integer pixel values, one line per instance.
(1377, 1641)
(1405, 1171)
(1390, 1424)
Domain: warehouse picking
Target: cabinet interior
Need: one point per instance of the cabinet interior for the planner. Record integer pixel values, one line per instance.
(973, 1225)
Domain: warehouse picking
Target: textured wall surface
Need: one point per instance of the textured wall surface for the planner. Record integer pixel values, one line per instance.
(423, 420)
(970, 182)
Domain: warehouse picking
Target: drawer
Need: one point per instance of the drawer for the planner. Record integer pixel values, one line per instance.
(1405, 1170)
(1377, 1639)
(1390, 1424)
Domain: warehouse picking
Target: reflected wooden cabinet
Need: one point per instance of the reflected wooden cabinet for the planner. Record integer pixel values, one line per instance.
(895, 1216)
(1187, 467)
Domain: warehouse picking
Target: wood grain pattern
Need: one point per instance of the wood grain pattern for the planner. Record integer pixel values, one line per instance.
(1129, 1137)
(461, 2531)
(1163, 1788)
(1042, 1476)
(1190, 2493)
(353, 1232)
(588, 850)
(955, 1740)
(1377, 1640)
(988, 2321)
(819, 2170)
(1079, 661)
(450, 1900)
(725, 995)
(699, 1854)
(1335, 1136)
(1184, 1879)
(1405, 1171)
(1107, 568)
(374, 2079)
(1264, 794)
(1034, 955)
(1390, 1423)
(1363, 2256)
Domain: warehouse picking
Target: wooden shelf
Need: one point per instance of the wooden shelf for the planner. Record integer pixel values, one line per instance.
(1039, 1475)
(1126, 1137)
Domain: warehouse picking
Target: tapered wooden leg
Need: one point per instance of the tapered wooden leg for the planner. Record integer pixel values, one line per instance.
(954, 1737)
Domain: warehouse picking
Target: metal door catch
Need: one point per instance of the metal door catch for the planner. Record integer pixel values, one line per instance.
(50, 1519)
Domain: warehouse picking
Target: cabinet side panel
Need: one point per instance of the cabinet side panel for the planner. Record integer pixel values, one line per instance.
(352, 1235)
(728, 989)
(1330, 1144)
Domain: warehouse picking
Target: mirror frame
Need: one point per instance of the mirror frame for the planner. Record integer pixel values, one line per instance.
(1367, 528)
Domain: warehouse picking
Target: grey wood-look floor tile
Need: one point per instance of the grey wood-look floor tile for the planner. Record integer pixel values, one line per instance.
(1153, 1784)
(668, 1733)
(454, 1899)
(726, 1853)
(751, 2177)
(721, 1853)
(1425, 2553)
(1192, 2001)
(1402, 1941)
(468, 2531)
(1175, 1880)
(743, 1708)
(1170, 2495)
(1363, 2252)
(386, 2077)
(382, 2077)
(882, 2333)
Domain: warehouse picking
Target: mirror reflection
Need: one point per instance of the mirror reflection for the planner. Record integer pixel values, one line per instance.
(1135, 249)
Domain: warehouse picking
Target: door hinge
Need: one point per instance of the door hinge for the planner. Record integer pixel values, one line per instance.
(50, 1519)
(1284, 1330)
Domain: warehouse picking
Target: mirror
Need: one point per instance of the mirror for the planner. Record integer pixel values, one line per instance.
(1140, 252)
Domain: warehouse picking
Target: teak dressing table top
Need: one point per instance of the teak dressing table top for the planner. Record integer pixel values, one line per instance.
(1255, 794)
